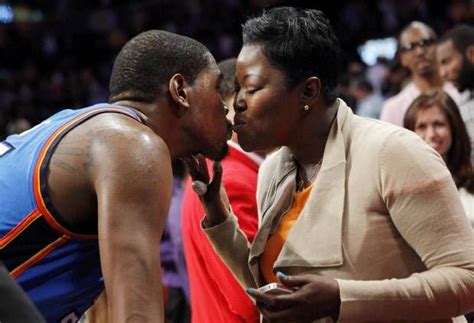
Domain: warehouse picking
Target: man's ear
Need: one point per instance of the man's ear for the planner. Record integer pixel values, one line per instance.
(311, 90)
(470, 53)
(179, 90)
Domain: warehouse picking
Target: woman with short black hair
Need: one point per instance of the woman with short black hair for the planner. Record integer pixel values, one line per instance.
(359, 219)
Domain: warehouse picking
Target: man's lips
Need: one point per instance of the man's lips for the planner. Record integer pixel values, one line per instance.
(237, 126)
(423, 61)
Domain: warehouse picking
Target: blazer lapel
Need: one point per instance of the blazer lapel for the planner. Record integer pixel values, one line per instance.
(316, 237)
(278, 199)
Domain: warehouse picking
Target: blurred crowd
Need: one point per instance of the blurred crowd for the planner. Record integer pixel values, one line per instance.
(59, 54)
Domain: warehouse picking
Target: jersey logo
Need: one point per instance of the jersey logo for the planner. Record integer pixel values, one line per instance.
(5, 147)
(70, 318)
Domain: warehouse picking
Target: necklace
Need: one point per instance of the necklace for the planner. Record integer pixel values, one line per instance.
(306, 174)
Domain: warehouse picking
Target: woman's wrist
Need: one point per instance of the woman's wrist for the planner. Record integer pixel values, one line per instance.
(215, 215)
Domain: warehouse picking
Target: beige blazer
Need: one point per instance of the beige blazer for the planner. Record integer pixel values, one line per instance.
(383, 218)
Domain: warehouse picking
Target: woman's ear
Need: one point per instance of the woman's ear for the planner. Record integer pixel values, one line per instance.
(178, 87)
(311, 90)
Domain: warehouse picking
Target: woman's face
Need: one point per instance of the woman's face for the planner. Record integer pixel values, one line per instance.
(433, 127)
(266, 110)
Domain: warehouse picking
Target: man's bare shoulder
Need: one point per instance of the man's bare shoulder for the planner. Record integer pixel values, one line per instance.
(108, 149)
(122, 135)
(121, 144)
(129, 156)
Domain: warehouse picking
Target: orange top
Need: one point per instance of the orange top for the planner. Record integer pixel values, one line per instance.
(277, 239)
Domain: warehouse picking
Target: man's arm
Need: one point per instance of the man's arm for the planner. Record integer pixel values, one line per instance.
(133, 185)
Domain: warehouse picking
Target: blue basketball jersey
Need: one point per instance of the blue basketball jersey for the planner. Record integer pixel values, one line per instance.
(59, 269)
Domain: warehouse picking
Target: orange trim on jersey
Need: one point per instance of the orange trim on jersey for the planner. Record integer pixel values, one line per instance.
(37, 171)
(19, 228)
(38, 256)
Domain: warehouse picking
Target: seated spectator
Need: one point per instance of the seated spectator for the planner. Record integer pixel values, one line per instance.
(368, 102)
(455, 54)
(417, 48)
(435, 117)
(18, 126)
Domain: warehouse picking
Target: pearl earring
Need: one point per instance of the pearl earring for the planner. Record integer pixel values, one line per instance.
(306, 107)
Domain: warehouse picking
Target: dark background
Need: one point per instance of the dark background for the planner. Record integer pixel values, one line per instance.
(58, 54)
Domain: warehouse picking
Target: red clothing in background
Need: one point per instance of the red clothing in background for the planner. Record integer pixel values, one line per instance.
(215, 294)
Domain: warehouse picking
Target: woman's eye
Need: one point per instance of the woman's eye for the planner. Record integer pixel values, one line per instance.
(420, 127)
(251, 91)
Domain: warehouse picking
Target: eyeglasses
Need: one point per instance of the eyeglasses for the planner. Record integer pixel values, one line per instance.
(422, 44)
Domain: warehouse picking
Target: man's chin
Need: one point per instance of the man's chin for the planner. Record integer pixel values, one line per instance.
(427, 71)
(218, 155)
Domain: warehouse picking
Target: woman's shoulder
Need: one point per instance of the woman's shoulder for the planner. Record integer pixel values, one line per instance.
(376, 133)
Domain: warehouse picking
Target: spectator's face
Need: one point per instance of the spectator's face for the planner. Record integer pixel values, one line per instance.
(206, 125)
(433, 127)
(455, 66)
(266, 110)
(450, 61)
(418, 54)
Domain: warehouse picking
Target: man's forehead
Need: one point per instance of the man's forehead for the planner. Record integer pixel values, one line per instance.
(415, 33)
(211, 70)
(446, 50)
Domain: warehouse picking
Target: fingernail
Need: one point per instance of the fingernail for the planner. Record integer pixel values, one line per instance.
(250, 291)
(282, 276)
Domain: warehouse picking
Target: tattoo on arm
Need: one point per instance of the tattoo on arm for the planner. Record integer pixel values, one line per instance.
(63, 165)
(72, 155)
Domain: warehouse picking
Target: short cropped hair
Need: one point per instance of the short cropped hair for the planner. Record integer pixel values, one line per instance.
(417, 25)
(300, 42)
(227, 68)
(458, 157)
(462, 37)
(150, 59)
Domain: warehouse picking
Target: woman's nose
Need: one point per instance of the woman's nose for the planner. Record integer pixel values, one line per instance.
(239, 102)
(431, 132)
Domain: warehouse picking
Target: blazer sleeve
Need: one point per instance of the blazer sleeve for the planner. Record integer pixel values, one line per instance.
(228, 239)
(424, 205)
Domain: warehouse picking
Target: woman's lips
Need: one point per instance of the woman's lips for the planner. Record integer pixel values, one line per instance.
(238, 123)
(238, 126)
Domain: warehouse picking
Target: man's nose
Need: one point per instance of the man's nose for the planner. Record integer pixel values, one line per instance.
(442, 71)
(420, 49)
